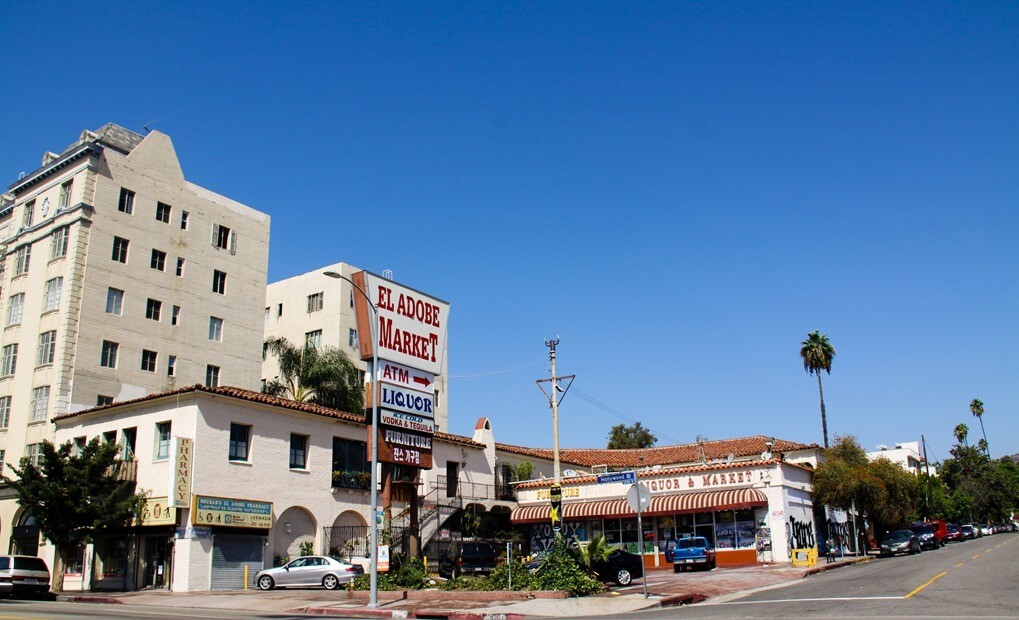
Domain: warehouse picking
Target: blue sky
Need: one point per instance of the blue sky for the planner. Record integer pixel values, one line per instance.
(679, 191)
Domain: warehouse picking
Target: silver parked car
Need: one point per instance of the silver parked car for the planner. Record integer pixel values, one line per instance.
(24, 574)
(311, 570)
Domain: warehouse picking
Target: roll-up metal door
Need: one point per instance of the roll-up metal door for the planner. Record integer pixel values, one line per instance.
(230, 554)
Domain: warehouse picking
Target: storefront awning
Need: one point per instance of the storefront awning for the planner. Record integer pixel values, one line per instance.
(660, 505)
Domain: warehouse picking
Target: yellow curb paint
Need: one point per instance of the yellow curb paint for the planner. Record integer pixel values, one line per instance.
(929, 582)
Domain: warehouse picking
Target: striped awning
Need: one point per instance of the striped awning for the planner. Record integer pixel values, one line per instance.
(660, 505)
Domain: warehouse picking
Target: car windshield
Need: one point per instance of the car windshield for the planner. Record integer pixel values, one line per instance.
(922, 529)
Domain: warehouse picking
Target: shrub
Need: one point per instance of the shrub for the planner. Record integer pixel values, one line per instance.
(560, 571)
(409, 576)
(523, 578)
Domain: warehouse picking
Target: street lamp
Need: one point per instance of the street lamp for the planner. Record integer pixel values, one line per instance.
(373, 567)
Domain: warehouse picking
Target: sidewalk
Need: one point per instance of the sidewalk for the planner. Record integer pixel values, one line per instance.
(665, 589)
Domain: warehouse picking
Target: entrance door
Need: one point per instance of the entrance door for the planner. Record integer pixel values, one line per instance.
(230, 554)
(154, 557)
(452, 478)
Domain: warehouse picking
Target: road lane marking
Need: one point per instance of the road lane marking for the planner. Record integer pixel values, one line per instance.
(975, 557)
(929, 582)
(816, 600)
(989, 550)
(959, 565)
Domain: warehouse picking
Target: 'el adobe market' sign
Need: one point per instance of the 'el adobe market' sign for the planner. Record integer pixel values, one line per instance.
(412, 325)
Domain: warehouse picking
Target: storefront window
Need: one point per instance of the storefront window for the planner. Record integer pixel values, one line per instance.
(746, 528)
(666, 531)
(75, 562)
(112, 555)
(684, 526)
(612, 536)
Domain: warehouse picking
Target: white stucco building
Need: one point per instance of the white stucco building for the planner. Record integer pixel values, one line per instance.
(120, 278)
(905, 454)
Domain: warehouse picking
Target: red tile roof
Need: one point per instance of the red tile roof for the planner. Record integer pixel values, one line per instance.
(682, 454)
(265, 399)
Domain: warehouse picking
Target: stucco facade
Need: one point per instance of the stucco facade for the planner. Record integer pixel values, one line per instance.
(121, 278)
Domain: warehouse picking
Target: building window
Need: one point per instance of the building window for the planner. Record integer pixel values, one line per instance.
(22, 257)
(215, 329)
(298, 451)
(351, 298)
(171, 365)
(158, 260)
(47, 347)
(221, 237)
(163, 212)
(279, 310)
(109, 357)
(58, 242)
(266, 320)
(315, 302)
(126, 204)
(52, 299)
(153, 308)
(180, 267)
(175, 315)
(120, 249)
(103, 400)
(149, 360)
(9, 361)
(15, 308)
(130, 438)
(114, 301)
(183, 220)
(211, 376)
(40, 403)
(350, 464)
(5, 411)
(33, 452)
(313, 339)
(163, 440)
(352, 338)
(65, 194)
(239, 436)
(29, 215)
(219, 282)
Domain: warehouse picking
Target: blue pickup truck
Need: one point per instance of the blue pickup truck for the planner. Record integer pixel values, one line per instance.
(692, 552)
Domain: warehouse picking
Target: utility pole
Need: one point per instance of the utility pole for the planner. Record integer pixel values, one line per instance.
(551, 344)
(927, 466)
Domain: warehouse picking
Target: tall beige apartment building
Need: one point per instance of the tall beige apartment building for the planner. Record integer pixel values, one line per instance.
(313, 307)
(120, 279)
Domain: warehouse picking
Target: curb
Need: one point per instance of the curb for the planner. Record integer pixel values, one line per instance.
(826, 567)
(347, 612)
(105, 600)
(682, 599)
(470, 616)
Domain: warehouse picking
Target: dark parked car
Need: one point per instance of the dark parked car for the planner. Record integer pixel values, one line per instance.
(925, 534)
(967, 532)
(621, 567)
(900, 541)
(954, 533)
(467, 558)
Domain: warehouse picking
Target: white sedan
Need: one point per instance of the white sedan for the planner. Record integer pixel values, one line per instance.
(311, 570)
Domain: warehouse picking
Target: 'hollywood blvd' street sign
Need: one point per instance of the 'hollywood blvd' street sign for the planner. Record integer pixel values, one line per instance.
(626, 477)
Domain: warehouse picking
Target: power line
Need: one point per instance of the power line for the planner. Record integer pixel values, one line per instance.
(622, 416)
(496, 372)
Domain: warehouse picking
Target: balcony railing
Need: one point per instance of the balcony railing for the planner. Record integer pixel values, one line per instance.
(474, 490)
(126, 471)
(352, 480)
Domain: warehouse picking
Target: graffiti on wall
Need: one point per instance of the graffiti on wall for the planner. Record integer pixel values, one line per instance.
(542, 535)
(801, 534)
(838, 531)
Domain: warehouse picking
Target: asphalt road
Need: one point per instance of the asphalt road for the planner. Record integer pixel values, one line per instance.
(973, 579)
(38, 610)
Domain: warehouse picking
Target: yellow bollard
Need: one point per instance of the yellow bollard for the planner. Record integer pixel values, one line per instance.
(246, 569)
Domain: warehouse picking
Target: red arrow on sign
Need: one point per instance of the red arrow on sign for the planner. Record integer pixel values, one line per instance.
(422, 381)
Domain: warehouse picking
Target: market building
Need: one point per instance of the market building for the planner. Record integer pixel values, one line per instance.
(750, 496)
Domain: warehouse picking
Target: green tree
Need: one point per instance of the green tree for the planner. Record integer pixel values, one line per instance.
(523, 470)
(961, 432)
(636, 436)
(323, 376)
(976, 407)
(75, 496)
(817, 353)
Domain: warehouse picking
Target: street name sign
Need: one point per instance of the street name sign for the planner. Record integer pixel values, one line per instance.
(626, 477)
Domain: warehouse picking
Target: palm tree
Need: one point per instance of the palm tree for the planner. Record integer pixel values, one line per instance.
(323, 376)
(976, 407)
(960, 432)
(817, 353)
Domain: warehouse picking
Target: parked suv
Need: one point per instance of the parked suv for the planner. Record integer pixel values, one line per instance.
(465, 558)
(26, 574)
(925, 534)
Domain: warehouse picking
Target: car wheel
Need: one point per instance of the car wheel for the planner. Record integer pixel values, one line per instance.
(265, 582)
(330, 582)
(677, 568)
(623, 577)
(712, 565)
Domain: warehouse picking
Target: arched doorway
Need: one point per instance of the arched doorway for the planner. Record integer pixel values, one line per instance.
(25, 535)
(348, 536)
(293, 534)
